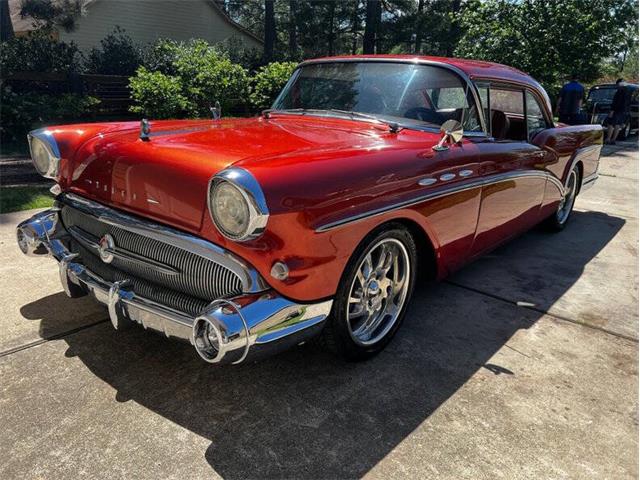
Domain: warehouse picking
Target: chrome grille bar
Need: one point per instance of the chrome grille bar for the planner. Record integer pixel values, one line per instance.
(167, 238)
(170, 272)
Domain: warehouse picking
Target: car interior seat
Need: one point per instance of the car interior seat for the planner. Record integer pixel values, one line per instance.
(499, 125)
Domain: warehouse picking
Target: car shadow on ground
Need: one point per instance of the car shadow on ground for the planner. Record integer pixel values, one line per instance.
(305, 414)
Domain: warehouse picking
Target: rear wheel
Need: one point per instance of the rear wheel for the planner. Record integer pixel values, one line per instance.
(560, 218)
(373, 294)
(625, 132)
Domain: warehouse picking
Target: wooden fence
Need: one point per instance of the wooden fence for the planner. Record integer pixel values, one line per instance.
(111, 90)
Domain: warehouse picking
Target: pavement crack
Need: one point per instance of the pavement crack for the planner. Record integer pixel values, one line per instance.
(544, 312)
(57, 336)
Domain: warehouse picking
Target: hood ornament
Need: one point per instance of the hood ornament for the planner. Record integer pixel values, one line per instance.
(216, 111)
(145, 130)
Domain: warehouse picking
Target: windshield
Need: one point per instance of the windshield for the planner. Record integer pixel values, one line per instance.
(602, 94)
(409, 94)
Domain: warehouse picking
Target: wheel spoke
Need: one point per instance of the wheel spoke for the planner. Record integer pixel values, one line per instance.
(367, 266)
(378, 291)
(353, 299)
(357, 312)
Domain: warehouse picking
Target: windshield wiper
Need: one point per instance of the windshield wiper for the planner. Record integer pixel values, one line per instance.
(393, 126)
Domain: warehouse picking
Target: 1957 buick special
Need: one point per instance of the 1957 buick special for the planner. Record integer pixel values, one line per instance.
(247, 236)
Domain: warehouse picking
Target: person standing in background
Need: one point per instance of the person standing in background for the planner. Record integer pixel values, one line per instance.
(618, 113)
(570, 102)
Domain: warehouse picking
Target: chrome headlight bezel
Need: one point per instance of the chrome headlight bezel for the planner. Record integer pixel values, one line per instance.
(45, 139)
(251, 194)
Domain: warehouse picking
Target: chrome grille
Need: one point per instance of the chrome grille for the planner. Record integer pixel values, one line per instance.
(144, 258)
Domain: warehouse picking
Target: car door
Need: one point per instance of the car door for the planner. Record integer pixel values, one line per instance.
(511, 167)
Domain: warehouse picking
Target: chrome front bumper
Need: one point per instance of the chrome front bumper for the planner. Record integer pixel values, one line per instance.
(247, 326)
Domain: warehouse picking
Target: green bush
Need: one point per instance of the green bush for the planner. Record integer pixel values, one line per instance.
(117, 55)
(158, 95)
(22, 112)
(268, 83)
(39, 53)
(197, 73)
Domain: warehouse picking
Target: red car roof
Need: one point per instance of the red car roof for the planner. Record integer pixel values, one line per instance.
(474, 69)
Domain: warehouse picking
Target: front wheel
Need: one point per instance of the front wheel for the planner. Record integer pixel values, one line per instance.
(559, 219)
(373, 294)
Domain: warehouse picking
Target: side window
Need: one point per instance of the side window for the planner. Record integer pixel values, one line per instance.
(535, 116)
(507, 114)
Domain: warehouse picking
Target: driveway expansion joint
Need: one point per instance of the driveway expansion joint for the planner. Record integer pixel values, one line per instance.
(57, 336)
(544, 312)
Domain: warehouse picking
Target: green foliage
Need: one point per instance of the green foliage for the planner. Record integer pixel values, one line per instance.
(158, 95)
(196, 72)
(14, 199)
(22, 112)
(117, 55)
(48, 14)
(235, 49)
(548, 40)
(38, 53)
(268, 82)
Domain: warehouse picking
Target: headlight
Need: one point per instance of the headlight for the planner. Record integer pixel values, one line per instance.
(44, 153)
(237, 205)
(230, 209)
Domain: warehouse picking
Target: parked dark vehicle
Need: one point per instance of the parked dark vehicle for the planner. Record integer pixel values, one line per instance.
(598, 106)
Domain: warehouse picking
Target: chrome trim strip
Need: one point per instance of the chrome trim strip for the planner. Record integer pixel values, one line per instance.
(443, 192)
(251, 279)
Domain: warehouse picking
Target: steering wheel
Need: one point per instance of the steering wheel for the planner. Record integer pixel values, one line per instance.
(425, 114)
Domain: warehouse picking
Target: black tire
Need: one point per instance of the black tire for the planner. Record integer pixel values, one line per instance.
(559, 220)
(625, 132)
(337, 334)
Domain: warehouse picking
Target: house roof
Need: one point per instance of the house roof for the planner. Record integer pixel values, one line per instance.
(26, 24)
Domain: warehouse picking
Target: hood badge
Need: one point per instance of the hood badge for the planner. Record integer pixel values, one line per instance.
(216, 111)
(106, 246)
(145, 130)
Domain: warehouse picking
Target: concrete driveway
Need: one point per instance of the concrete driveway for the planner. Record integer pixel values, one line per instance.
(522, 365)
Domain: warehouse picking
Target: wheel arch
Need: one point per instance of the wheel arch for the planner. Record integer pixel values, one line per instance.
(425, 247)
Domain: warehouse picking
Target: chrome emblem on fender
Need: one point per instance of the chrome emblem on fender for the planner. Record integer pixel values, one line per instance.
(106, 247)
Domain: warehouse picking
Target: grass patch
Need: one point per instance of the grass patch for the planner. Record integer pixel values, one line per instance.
(13, 199)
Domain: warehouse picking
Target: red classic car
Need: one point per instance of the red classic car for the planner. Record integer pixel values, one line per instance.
(247, 236)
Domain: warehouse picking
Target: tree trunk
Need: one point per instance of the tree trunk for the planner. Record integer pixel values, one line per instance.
(418, 27)
(293, 43)
(330, 33)
(6, 27)
(454, 28)
(355, 28)
(269, 30)
(370, 27)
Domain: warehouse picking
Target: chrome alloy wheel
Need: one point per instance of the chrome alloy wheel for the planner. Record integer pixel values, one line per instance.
(566, 204)
(378, 292)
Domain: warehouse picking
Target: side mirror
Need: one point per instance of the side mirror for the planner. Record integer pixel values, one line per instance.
(451, 132)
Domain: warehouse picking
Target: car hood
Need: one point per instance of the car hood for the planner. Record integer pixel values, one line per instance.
(166, 177)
